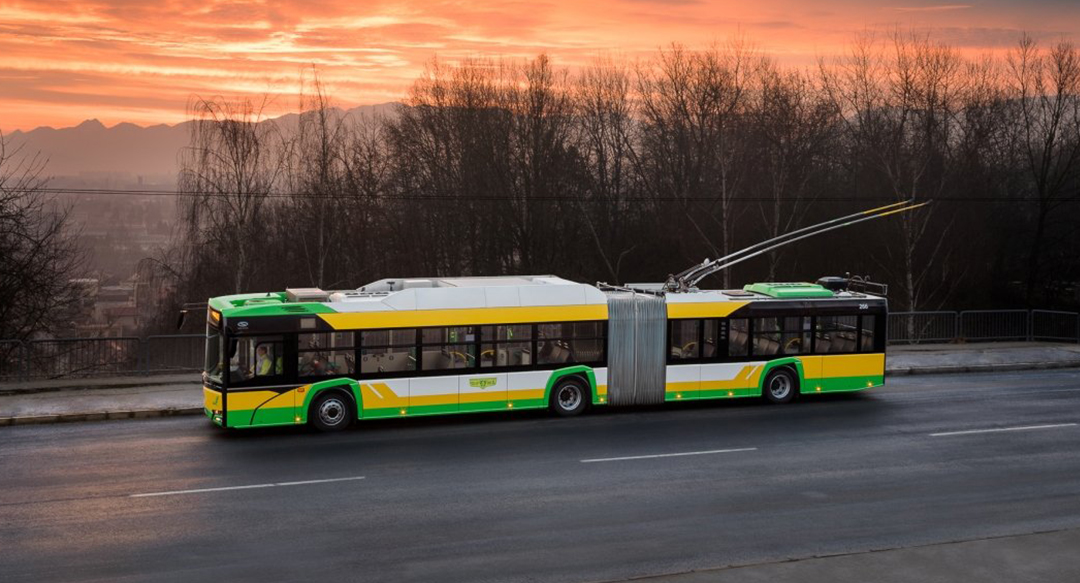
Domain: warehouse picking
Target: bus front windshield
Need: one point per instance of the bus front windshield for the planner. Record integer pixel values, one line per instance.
(215, 359)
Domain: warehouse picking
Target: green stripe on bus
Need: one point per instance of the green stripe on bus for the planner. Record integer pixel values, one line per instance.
(841, 384)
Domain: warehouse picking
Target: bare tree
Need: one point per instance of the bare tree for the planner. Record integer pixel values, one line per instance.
(899, 113)
(690, 146)
(603, 134)
(315, 179)
(38, 253)
(227, 175)
(1045, 131)
(793, 129)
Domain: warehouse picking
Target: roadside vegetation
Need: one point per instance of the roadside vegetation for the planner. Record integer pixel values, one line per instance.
(626, 171)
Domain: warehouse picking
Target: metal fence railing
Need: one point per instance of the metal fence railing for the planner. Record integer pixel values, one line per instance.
(976, 325)
(916, 327)
(1055, 326)
(984, 326)
(95, 357)
(85, 357)
(80, 357)
(174, 353)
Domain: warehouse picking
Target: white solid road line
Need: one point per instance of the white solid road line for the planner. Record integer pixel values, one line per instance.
(248, 487)
(999, 429)
(647, 457)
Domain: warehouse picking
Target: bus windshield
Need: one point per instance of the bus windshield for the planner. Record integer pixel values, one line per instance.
(215, 361)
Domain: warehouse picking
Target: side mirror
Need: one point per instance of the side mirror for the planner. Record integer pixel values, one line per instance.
(180, 320)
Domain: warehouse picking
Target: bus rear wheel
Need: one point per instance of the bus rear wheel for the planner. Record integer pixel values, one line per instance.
(330, 411)
(569, 397)
(780, 386)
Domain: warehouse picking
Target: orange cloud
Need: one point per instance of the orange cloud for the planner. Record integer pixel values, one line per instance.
(62, 61)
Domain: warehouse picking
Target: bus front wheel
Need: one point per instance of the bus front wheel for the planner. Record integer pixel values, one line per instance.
(569, 397)
(780, 386)
(330, 411)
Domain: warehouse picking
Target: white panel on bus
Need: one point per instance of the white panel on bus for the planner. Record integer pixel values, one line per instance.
(728, 371)
(601, 375)
(433, 391)
(555, 295)
(449, 298)
(353, 306)
(474, 389)
(387, 393)
(502, 297)
(593, 295)
(402, 300)
(527, 385)
(684, 373)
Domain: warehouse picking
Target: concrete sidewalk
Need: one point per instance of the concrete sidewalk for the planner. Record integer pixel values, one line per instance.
(1049, 556)
(980, 357)
(166, 395)
(79, 384)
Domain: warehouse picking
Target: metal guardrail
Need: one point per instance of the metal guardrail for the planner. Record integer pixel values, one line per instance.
(976, 325)
(984, 326)
(1055, 326)
(916, 327)
(85, 357)
(90, 357)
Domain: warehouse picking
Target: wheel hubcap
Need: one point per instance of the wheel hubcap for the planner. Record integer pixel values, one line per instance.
(780, 387)
(332, 412)
(569, 397)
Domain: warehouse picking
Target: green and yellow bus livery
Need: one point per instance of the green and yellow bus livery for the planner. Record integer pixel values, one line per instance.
(432, 346)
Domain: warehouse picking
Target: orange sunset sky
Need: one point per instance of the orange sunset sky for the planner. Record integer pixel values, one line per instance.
(128, 60)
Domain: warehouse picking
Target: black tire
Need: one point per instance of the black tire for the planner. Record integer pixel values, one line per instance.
(780, 386)
(570, 397)
(331, 411)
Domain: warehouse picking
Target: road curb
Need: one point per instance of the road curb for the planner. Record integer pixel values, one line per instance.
(99, 416)
(1002, 367)
(116, 385)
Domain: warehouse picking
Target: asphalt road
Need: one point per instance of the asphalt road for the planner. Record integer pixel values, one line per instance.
(507, 497)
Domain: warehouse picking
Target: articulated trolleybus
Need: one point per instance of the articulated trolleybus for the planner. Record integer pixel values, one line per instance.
(429, 346)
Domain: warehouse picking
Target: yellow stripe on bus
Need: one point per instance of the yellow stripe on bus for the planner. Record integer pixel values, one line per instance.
(381, 396)
(463, 317)
(852, 365)
(211, 399)
(703, 309)
(248, 400)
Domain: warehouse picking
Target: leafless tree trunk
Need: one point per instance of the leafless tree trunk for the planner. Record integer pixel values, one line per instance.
(227, 175)
(38, 254)
(1045, 89)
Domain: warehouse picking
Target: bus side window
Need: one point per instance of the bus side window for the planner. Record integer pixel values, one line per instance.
(835, 334)
(387, 351)
(255, 356)
(738, 337)
(710, 338)
(570, 342)
(506, 345)
(767, 336)
(684, 339)
(448, 348)
(866, 333)
(326, 354)
(796, 335)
